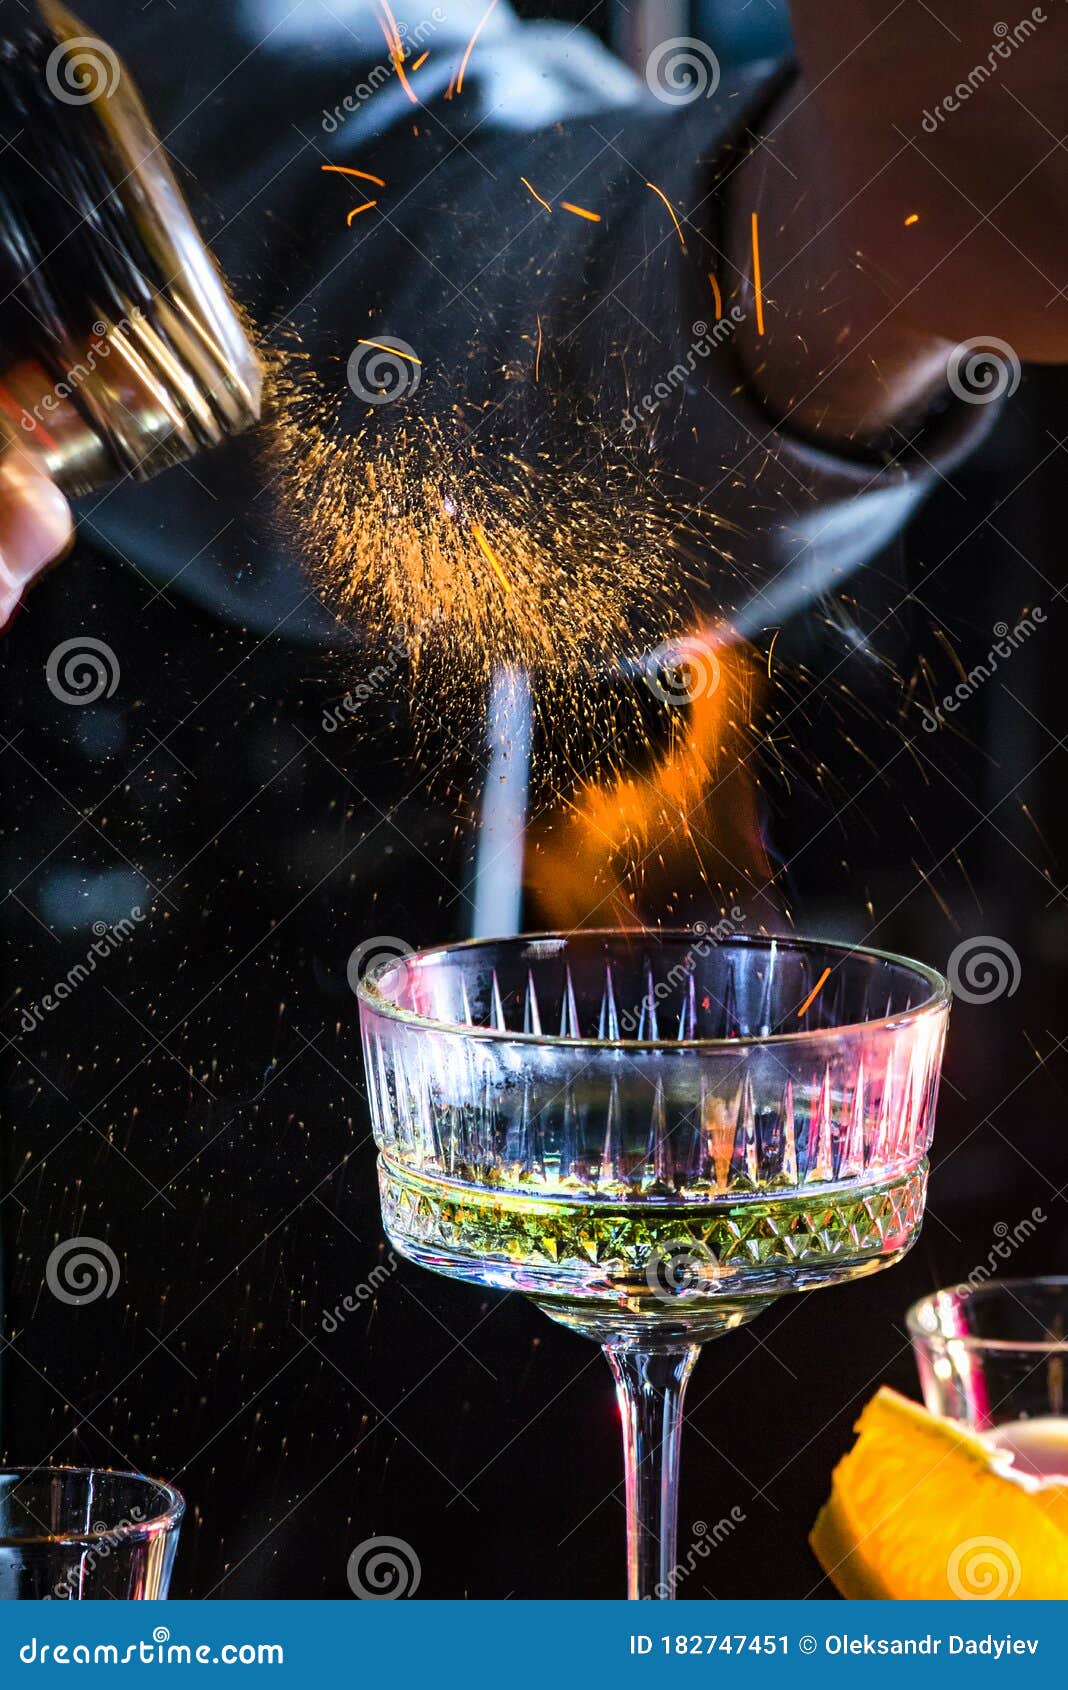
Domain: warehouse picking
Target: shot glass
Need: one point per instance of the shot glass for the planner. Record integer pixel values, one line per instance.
(72, 1534)
(995, 1357)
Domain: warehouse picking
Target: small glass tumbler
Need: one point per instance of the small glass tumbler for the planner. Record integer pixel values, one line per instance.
(71, 1534)
(995, 1356)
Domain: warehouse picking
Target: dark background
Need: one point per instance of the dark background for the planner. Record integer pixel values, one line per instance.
(199, 1105)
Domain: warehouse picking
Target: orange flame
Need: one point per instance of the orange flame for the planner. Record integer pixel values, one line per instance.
(625, 851)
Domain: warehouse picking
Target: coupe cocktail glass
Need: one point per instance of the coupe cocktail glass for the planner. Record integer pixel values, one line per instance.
(653, 1135)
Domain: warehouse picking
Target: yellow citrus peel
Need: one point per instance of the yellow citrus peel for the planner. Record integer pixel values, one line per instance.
(923, 1508)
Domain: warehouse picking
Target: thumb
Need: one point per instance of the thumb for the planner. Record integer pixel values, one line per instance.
(35, 525)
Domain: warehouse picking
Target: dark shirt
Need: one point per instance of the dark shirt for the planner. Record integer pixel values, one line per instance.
(459, 257)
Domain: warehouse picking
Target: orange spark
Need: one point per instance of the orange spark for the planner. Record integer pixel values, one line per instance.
(537, 355)
(579, 211)
(536, 194)
(348, 170)
(815, 992)
(396, 50)
(470, 45)
(660, 194)
(389, 24)
(410, 356)
(757, 286)
(914, 217)
(421, 60)
(488, 553)
(355, 212)
(716, 295)
(771, 648)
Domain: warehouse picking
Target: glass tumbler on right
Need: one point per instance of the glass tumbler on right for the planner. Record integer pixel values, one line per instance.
(995, 1356)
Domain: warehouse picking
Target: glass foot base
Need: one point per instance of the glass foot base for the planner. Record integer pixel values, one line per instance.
(620, 1327)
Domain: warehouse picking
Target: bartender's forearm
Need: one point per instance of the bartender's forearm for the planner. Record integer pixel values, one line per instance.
(837, 356)
(911, 205)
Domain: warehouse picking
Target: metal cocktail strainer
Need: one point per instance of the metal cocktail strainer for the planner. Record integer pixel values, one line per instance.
(120, 350)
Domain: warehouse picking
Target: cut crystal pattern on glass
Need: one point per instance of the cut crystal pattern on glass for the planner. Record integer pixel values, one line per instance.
(744, 1248)
(725, 1109)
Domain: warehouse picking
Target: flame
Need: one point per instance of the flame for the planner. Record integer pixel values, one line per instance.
(624, 851)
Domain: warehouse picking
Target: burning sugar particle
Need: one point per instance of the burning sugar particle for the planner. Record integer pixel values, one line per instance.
(395, 45)
(470, 46)
(395, 351)
(660, 194)
(479, 536)
(536, 194)
(815, 992)
(758, 287)
(350, 170)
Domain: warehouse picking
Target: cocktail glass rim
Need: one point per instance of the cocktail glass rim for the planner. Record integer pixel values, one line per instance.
(974, 1341)
(367, 990)
(125, 1531)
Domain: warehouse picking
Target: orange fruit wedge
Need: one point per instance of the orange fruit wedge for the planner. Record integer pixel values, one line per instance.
(923, 1507)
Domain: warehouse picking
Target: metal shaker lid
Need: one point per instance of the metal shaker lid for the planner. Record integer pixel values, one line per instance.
(120, 307)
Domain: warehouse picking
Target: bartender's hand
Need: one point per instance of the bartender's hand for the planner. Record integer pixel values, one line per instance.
(898, 219)
(35, 525)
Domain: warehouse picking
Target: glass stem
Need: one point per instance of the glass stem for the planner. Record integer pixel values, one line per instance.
(650, 1384)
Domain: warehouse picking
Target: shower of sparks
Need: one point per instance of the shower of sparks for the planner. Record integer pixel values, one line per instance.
(716, 295)
(913, 217)
(580, 211)
(478, 534)
(356, 210)
(758, 290)
(660, 194)
(395, 350)
(470, 45)
(815, 992)
(537, 355)
(466, 551)
(349, 170)
(536, 194)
